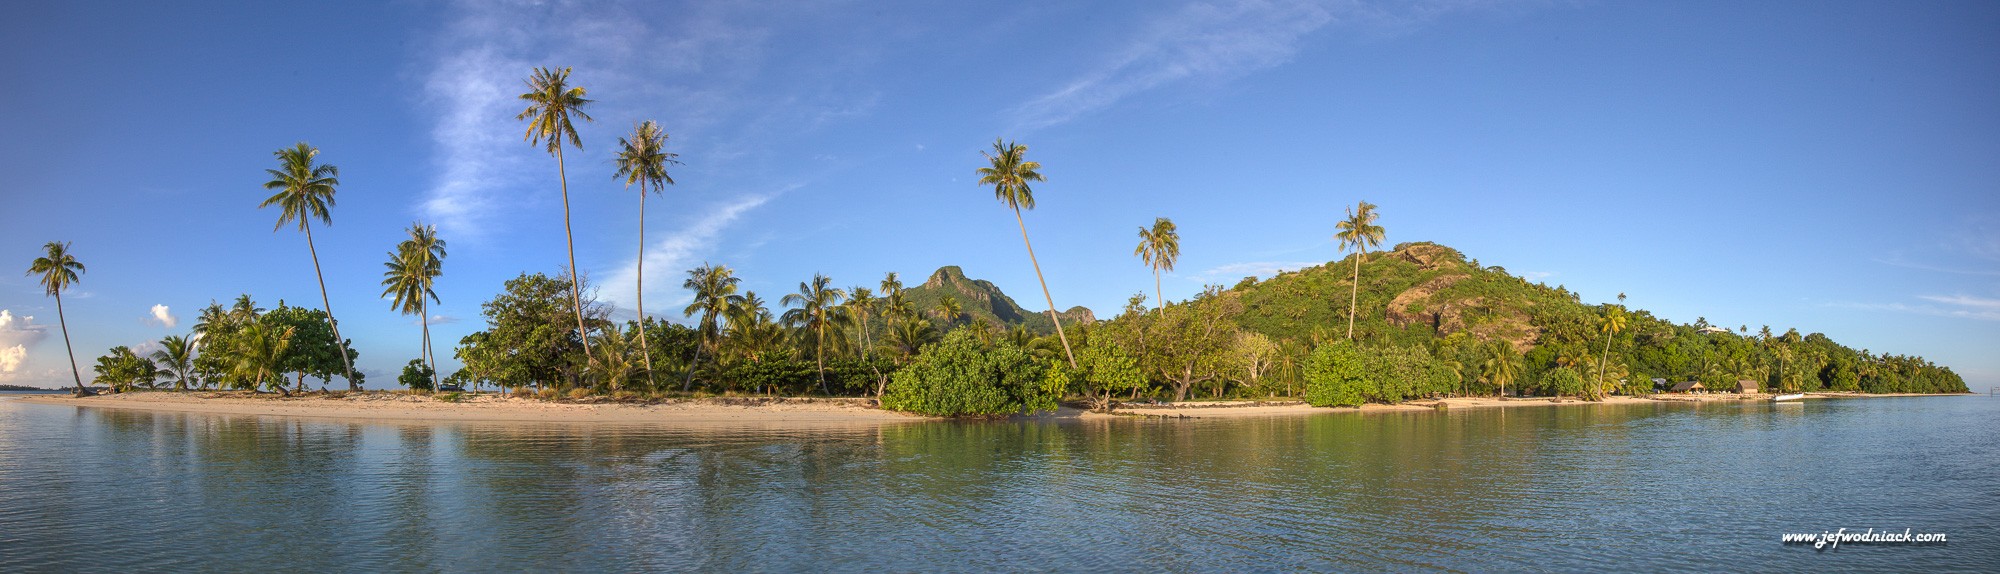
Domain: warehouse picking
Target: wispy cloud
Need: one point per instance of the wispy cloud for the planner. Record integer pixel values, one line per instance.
(1536, 275)
(1214, 40)
(677, 252)
(162, 316)
(1260, 269)
(1954, 306)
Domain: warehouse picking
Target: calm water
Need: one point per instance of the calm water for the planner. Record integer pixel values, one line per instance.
(1651, 487)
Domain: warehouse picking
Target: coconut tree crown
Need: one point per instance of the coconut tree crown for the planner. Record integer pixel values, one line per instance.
(644, 158)
(1359, 230)
(58, 269)
(1010, 174)
(551, 104)
(1160, 246)
(304, 190)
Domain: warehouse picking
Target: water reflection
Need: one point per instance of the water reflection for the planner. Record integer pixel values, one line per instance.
(1546, 488)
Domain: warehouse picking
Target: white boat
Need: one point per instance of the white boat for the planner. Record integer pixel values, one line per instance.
(1790, 397)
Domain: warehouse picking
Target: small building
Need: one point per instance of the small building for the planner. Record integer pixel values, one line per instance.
(1712, 330)
(1688, 387)
(1661, 385)
(1746, 386)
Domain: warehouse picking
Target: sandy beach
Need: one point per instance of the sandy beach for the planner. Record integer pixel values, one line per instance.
(761, 412)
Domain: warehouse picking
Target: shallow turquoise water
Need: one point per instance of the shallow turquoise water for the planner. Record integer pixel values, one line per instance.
(1666, 487)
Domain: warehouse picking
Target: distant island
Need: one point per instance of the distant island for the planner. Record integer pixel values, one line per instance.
(21, 388)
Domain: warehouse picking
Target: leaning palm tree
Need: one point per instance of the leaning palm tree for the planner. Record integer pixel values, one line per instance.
(305, 192)
(1359, 232)
(58, 270)
(818, 308)
(175, 360)
(1614, 322)
(1009, 175)
(1159, 247)
(643, 160)
(407, 280)
(714, 289)
(551, 104)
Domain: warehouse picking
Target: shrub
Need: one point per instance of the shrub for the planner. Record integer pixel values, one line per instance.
(1334, 376)
(450, 397)
(547, 394)
(524, 393)
(1102, 370)
(580, 393)
(416, 376)
(957, 377)
(1563, 381)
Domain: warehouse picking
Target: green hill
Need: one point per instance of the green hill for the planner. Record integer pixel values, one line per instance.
(981, 300)
(1429, 295)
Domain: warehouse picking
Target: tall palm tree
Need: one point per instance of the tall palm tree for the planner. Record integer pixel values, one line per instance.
(643, 160)
(304, 193)
(714, 289)
(1501, 366)
(59, 270)
(1009, 175)
(408, 279)
(895, 306)
(552, 105)
(818, 308)
(1614, 322)
(861, 304)
(1159, 247)
(176, 360)
(1358, 232)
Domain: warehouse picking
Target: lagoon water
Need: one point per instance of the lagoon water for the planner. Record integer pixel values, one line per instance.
(1665, 487)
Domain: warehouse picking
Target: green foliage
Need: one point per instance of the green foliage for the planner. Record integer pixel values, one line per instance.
(1562, 381)
(958, 377)
(313, 351)
(1334, 376)
(1103, 369)
(122, 370)
(416, 376)
(450, 397)
(528, 340)
(1396, 373)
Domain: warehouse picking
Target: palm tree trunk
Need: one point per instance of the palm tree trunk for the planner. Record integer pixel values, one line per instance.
(575, 282)
(1045, 288)
(819, 356)
(1600, 365)
(688, 383)
(1354, 294)
(73, 373)
(645, 351)
(339, 344)
(424, 306)
(1157, 294)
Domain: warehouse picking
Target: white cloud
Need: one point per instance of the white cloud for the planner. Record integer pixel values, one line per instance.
(164, 317)
(1537, 275)
(673, 255)
(11, 358)
(1234, 271)
(1959, 307)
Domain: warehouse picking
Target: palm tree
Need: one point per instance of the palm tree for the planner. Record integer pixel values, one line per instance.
(714, 289)
(949, 310)
(643, 160)
(551, 104)
(1159, 247)
(818, 308)
(1614, 322)
(262, 355)
(1009, 175)
(616, 365)
(1359, 232)
(861, 304)
(408, 277)
(176, 360)
(59, 270)
(1501, 366)
(895, 306)
(305, 192)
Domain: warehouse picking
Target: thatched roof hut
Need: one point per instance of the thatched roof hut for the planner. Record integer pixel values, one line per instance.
(1746, 386)
(1688, 387)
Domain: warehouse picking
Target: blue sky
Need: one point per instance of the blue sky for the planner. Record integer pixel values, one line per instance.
(1833, 167)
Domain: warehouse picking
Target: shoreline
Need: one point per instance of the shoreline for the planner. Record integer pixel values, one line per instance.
(774, 411)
